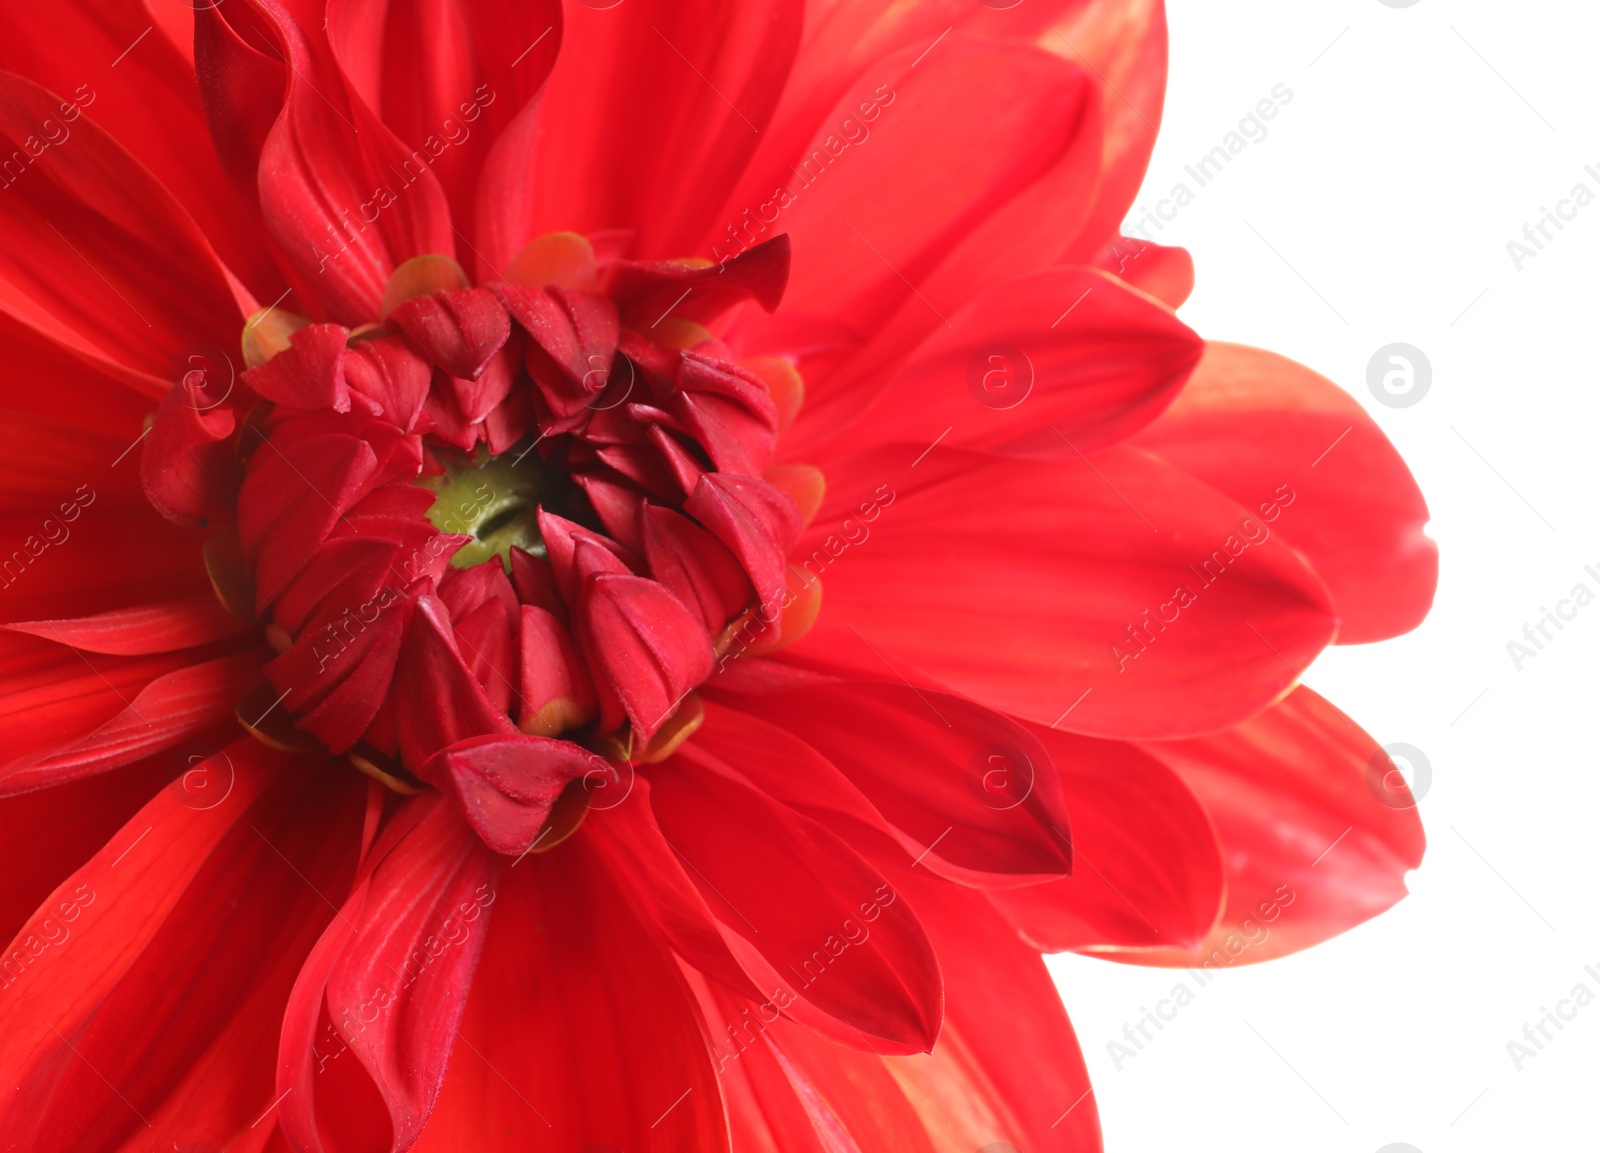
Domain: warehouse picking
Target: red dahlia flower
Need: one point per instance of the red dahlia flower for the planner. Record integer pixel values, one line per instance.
(719, 551)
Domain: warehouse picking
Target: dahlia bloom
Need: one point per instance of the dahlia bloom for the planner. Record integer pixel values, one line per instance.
(608, 575)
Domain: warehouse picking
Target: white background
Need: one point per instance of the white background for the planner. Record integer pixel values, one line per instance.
(1419, 142)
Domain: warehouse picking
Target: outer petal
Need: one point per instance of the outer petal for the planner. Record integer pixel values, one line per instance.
(171, 709)
(1316, 837)
(1073, 593)
(954, 137)
(1008, 1046)
(163, 627)
(65, 394)
(194, 915)
(1063, 356)
(687, 84)
(814, 897)
(1124, 42)
(138, 556)
(97, 255)
(971, 794)
(1252, 423)
(1005, 1074)
(241, 76)
(846, 43)
(1149, 868)
(1165, 273)
(147, 102)
(446, 78)
(609, 1048)
(345, 199)
(68, 492)
(388, 980)
(51, 696)
(821, 917)
(50, 833)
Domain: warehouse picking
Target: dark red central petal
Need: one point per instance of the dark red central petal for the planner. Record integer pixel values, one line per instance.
(502, 529)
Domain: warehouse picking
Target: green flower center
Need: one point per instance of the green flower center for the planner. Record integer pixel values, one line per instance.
(496, 500)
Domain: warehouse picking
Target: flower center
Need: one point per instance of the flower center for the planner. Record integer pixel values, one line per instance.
(577, 423)
(495, 500)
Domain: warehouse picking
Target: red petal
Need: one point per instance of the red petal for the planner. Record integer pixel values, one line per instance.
(1149, 869)
(488, 640)
(969, 788)
(853, 1101)
(341, 697)
(51, 696)
(693, 566)
(458, 330)
(1007, 1039)
(967, 577)
(345, 199)
(608, 1049)
(479, 399)
(729, 411)
(309, 373)
(167, 711)
(1037, 367)
(390, 976)
(755, 519)
(1304, 456)
(190, 466)
(1124, 42)
(1315, 837)
(139, 557)
(958, 133)
(196, 915)
(389, 373)
(689, 85)
(656, 882)
(63, 398)
(647, 651)
(506, 784)
(153, 628)
(556, 692)
(1165, 273)
(447, 79)
(439, 701)
(241, 76)
(648, 293)
(148, 103)
(52, 832)
(97, 255)
(829, 928)
(845, 41)
(577, 332)
(292, 497)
